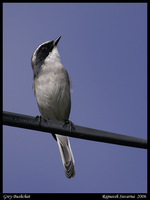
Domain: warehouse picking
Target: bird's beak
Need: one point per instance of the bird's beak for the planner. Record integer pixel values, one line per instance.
(56, 41)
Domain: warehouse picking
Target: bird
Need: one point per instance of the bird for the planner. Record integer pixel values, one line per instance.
(52, 89)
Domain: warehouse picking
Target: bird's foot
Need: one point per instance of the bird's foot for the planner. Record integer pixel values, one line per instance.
(40, 119)
(67, 121)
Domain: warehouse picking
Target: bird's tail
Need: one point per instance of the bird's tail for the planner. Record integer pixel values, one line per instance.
(66, 155)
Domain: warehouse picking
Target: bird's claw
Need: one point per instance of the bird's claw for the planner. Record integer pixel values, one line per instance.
(39, 119)
(67, 121)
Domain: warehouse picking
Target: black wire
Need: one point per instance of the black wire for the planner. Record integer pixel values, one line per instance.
(57, 127)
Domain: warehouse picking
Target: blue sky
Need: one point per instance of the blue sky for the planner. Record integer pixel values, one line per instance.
(104, 49)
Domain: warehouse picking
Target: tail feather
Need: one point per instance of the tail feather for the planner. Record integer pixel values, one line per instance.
(69, 169)
(66, 155)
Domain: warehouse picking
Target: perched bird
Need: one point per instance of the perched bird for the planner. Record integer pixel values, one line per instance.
(52, 85)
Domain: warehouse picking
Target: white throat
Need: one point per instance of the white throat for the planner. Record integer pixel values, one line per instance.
(53, 57)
